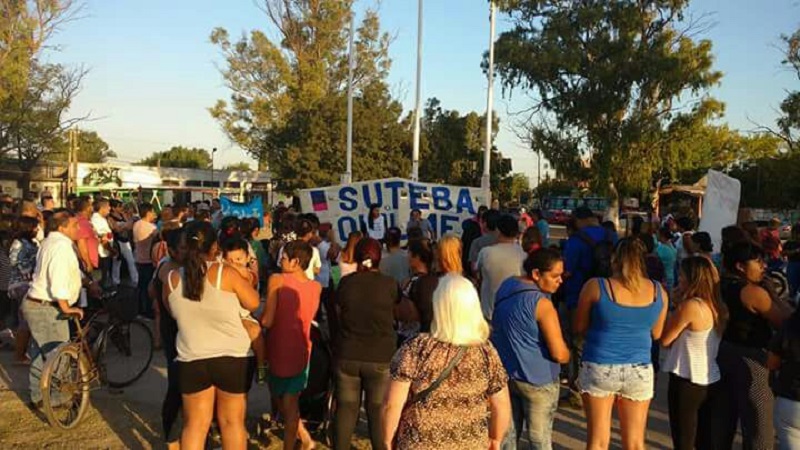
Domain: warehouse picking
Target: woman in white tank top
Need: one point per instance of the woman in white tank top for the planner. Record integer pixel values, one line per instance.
(692, 334)
(214, 364)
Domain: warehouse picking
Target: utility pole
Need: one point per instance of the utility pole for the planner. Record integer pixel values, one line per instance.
(73, 135)
(418, 103)
(213, 151)
(487, 155)
(348, 175)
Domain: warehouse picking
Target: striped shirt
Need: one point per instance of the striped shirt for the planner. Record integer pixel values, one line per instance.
(693, 356)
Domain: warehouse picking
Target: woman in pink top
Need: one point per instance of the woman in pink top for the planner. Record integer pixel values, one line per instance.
(292, 302)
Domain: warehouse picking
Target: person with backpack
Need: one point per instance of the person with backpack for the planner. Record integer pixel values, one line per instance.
(587, 255)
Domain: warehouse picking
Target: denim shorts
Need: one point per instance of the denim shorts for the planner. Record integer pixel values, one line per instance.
(630, 381)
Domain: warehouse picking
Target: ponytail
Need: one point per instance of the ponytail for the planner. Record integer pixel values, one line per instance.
(200, 239)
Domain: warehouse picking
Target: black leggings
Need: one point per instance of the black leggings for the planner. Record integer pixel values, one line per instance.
(173, 402)
(351, 378)
(689, 407)
(747, 399)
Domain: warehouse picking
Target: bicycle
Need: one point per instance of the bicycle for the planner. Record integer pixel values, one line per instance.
(96, 356)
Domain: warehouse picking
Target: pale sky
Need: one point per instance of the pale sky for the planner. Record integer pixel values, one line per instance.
(153, 71)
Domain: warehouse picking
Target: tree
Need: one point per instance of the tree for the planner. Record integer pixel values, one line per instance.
(519, 188)
(183, 157)
(240, 166)
(25, 27)
(615, 81)
(91, 148)
(288, 97)
(789, 121)
(33, 128)
(452, 147)
(34, 96)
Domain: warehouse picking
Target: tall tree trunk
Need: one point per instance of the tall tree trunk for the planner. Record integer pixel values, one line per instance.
(24, 183)
(613, 205)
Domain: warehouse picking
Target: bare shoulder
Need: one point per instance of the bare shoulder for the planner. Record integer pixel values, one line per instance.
(591, 289)
(755, 297)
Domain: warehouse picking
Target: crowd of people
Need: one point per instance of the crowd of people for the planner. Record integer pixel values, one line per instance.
(470, 341)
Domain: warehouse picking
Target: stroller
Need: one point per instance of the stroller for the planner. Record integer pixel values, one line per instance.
(316, 401)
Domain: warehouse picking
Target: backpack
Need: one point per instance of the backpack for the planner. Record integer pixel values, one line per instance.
(601, 255)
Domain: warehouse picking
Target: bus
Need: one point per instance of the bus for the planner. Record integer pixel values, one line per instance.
(558, 209)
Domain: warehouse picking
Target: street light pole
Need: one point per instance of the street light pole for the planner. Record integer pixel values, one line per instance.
(487, 155)
(213, 151)
(418, 100)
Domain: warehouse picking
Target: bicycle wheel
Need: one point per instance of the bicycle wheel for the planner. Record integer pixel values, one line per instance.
(65, 387)
(125, 353)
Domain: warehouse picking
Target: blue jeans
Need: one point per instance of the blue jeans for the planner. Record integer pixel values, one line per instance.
(48, 330)
(787, 423)
(534, 406)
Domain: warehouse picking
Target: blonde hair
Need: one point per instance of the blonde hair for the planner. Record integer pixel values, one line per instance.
(448, 254)
(628, 262)
(703, 283)
(457, 315)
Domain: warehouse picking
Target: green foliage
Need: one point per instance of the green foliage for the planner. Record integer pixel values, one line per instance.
(34, 96)
(240, 166)
(770, 182)
(452, 146)
(614, 80)
(91, 148)
(287, 107)
(187, 158)
(789, 121)
(33, 127)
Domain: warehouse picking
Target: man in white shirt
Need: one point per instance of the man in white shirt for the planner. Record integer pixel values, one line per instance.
(102, 208)
(499, 261)
(55, 288)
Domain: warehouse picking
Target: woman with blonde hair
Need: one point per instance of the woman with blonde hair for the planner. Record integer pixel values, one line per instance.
(347, 260)
(620, 317)
(693, 334)
(448, 254)
(441, 382)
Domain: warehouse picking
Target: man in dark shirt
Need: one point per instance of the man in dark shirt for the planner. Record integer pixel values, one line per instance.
(578, 262)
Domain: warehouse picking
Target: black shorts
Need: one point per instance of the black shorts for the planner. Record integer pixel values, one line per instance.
(226, 373)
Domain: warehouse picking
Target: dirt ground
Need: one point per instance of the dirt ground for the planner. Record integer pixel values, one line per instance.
(130, 419)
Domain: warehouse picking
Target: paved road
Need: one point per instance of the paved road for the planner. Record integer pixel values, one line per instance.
(131, 418)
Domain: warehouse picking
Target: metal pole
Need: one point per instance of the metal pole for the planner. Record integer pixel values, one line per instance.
(539, 172)
(213, 151)
(348, 175)
(418, 108)
(487, 155)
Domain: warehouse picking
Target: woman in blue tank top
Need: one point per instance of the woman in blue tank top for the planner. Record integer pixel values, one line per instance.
(620, 317)
(527, 335)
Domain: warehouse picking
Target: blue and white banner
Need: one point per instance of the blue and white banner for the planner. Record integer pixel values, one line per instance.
(345, 207)
(254, 208)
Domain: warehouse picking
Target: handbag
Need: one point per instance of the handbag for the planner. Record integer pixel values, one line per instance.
(424, 394)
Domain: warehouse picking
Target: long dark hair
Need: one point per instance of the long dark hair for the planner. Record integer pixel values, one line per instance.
(543, 260)
(200, 239)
